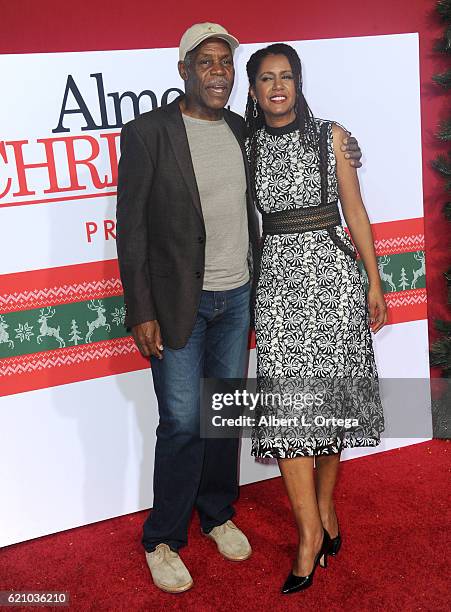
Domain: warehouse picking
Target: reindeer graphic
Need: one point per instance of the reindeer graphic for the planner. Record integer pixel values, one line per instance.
(4, 336)
(364, 276)
(388, 278)
(45, 330)
(100, 321)
(421, 270)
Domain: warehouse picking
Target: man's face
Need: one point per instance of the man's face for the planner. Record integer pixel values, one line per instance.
(209, 74)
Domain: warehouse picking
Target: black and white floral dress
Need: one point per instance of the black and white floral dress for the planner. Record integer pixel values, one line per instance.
(312, 319)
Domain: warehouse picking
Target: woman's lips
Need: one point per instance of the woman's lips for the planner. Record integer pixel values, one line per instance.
(279, 99)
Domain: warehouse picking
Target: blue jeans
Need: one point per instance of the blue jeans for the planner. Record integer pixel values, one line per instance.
(191, 471)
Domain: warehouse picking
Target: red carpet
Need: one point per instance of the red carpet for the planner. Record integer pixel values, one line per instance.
(395, 522)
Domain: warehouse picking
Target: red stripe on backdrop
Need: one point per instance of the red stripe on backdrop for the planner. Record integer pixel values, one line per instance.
(395, 229)
(113, 24)
(406, 306)
(68, 365)
(403, 236)
(34, 281)
(30, 26)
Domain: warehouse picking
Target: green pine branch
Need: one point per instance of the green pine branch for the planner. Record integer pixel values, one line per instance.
(443, 326)
(448, 280)
(443, 45)
(443, 79)
(444, 9)
(444, 131)
(440, 354)
(442, 164)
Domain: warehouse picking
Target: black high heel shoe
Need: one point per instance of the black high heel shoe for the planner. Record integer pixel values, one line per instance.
(334, 544)
(294, 583)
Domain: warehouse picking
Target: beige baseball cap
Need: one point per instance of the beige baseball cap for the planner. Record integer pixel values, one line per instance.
(200, 32)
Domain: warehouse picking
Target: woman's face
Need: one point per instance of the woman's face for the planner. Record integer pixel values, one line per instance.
(275, 90)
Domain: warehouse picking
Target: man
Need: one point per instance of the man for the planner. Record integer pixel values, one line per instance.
(187, 239)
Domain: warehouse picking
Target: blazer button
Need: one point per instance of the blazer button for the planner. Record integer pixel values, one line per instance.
(197, 275)
(200, 239)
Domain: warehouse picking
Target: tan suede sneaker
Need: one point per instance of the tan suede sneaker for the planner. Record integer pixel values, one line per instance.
(231, 541)
(169, 573)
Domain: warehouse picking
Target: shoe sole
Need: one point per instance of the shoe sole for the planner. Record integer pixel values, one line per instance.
(174, 590)
(243, 558)
(236, 559)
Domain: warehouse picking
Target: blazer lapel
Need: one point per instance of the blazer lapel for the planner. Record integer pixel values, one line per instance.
(179, 140)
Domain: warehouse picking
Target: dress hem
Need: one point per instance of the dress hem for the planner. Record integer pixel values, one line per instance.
(329, 449)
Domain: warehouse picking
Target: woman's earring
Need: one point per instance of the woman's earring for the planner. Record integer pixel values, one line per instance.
(255, 113)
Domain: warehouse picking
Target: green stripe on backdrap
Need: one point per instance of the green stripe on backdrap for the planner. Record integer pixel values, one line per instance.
(19, 331)
(69, 325)
(400, 272)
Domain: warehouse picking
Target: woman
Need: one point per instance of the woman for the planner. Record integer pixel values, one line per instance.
(313, 319)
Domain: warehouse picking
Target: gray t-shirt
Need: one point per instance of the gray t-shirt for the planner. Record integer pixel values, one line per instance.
(221, 181)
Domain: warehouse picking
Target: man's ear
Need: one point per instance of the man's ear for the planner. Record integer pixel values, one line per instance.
(182, 70)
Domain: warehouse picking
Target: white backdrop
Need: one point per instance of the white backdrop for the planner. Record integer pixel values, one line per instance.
(82, 452)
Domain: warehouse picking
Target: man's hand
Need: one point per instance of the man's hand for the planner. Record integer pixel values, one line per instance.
(352, 151)
(148, 339)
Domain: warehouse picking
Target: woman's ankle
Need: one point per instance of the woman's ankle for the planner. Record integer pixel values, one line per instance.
(329, 520)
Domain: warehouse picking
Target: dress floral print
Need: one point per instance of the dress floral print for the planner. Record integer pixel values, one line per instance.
(312, 327)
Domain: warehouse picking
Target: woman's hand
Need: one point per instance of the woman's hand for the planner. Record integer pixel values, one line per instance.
(377, 308)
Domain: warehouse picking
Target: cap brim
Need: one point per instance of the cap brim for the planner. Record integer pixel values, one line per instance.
(230, 40)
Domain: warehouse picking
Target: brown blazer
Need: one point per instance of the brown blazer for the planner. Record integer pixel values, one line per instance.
(160, 228)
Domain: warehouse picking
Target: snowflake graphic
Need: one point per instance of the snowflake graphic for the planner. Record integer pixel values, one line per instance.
(24, 332)
(119, 315)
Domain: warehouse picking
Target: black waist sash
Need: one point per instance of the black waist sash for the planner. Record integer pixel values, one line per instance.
(301, 220)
